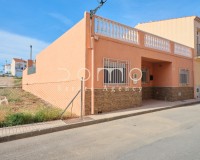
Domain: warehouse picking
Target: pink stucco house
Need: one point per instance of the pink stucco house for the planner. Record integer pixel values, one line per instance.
(121, 66)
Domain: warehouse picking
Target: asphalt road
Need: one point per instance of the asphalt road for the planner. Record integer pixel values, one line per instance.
(167, 135)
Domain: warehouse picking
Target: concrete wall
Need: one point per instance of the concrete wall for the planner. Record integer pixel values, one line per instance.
(180, 30)
(166, 65)
(56, 79)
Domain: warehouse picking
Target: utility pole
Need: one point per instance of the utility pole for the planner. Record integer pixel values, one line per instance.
(31, 48)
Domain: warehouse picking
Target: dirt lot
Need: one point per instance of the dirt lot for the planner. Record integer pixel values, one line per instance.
(7, 81)
(20, 101)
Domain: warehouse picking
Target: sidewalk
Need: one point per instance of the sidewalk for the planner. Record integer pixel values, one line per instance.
(24, 131)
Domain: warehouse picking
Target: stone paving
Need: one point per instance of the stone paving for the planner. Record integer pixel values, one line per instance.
(148, 106)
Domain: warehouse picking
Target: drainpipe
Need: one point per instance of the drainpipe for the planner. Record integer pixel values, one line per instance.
(92, 67)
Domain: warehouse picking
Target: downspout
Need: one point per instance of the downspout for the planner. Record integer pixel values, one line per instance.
(92, 66)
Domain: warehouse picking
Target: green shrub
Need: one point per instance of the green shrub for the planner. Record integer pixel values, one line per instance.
(2, 124)
(42, 115)
(47, 114)
(18, 119)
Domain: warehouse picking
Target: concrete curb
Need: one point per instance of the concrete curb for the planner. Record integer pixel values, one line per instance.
(86, 123)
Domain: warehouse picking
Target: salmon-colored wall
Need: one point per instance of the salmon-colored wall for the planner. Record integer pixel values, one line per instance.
(182, 30)
(57, 66)
(166, 66)
(56, 79)
(149, 66)
(163, 75)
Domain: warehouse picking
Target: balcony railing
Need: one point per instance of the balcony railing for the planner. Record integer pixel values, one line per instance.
(158, 43)
(182, 50)
(115, 30)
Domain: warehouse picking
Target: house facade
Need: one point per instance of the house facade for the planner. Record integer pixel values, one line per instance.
(121, 67)
(17, 67)
(185, 30)
(7, 69)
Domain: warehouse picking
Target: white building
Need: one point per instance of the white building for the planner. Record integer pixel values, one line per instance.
(17, 67)
(7, 69)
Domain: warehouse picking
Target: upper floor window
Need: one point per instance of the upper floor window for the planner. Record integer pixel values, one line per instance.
(115, 72)
(184, 76)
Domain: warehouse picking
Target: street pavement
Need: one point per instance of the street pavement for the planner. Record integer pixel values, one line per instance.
(166, 135)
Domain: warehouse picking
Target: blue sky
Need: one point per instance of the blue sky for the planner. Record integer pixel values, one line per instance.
(40, 22)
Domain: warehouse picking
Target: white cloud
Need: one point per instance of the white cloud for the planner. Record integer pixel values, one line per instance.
(61, 18)
(17, 46)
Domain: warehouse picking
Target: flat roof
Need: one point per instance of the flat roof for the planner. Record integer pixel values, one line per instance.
(195, 17)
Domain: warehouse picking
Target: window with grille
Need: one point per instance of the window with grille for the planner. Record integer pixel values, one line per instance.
(145, 76)
(184, 76)
(115, 72)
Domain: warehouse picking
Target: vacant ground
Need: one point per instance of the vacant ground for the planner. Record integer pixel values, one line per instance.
(7, 81)
(166, 135)
(21, 101)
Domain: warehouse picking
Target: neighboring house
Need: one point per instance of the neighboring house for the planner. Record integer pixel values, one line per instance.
(121, 66)
(7, 69)
(17, 67)
(184, 30)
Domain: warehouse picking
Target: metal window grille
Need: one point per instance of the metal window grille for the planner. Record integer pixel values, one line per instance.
(116, 72)
(184, 76)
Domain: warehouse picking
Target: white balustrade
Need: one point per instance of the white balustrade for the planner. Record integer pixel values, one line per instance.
(115, 30)
(158, 43)
(121, 32)
(182, 50)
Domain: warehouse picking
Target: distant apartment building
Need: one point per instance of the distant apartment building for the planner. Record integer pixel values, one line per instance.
(7, 69)
(17, 67)
(185, 30)
(121, 67)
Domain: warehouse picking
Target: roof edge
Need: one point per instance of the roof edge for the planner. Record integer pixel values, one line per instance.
(195, 17)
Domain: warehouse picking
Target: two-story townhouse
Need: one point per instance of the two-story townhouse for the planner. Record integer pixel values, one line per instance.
(185, 30)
